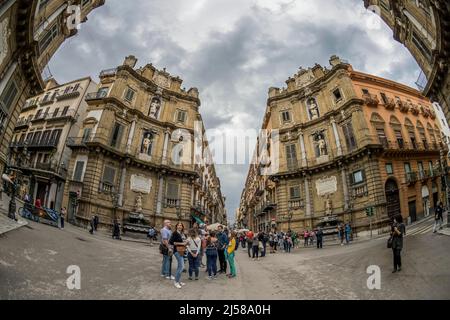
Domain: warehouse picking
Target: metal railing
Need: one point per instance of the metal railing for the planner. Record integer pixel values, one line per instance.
(68, 95)
(411, 177)
(95, 95)
(23, 122)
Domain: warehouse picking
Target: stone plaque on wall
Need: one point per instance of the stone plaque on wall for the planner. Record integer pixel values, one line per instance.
(140, 184)
(326, 185)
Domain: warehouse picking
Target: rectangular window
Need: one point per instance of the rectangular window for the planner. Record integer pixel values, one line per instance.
(87, 134)
(109, 175)
(55, 113)
(129, 95)
(45, 137)
(102, 92)
(412, 137)
(294, 192)
(48, 37)
(181, 116)
(407, 167)
(358, 176)
(37, 137)
(349, 136)
(64, 112)
(78, 173)
(399, 137)
(286, 116)
(420, 44)
(116, 135)
(337, 95)
(172, 190)
(389, 168)
(365, 91)
(291, 155)
(8, 96)
(420, 166)
(54, 139)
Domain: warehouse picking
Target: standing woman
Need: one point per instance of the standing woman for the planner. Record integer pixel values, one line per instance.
(212, 244)
(397, 232)
(230, 254)
(194, 248)
(179, 250)
(255, 247)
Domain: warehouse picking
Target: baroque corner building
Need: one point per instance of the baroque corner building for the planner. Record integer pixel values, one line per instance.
(346, 141)
(423, 26)
(133, 158)
(30, 33)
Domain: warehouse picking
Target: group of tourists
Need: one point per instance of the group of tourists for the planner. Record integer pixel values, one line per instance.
(344, 233)
(193, 246)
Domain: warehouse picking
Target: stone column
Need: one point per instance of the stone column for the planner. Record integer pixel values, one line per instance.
(166, 146)
(159, 200)
(345, 188)
(130, 136)
(302, 148)
(122, 186)
(307, 198)
(336, 136)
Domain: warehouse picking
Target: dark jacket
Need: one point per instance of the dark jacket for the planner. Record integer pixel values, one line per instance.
(397, 240)
(438, 213)
(223, 240)
(319, 235)
(176, 237)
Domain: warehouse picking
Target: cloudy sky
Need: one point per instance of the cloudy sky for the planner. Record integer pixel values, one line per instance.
(233, 51)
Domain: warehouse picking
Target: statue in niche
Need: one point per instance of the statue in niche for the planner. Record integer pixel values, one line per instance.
(321, 145)
(155, 106)
(138, 204)
(147, 142)
(313, 109)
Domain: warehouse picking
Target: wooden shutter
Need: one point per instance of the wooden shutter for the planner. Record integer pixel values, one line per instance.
(109, 174)
(77, 176)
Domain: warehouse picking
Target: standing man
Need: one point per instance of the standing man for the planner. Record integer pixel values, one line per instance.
(249, 238)
(223, 243)
(319, 237)
(348, 232)
(166, 251)
(62, 216)
(438, 217)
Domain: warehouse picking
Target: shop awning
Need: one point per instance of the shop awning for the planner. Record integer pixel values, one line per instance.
(199, 221)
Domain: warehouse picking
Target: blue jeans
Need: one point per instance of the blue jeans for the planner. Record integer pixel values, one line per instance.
(180, 266)
(211, 262)
(194, 264)
(166, 266)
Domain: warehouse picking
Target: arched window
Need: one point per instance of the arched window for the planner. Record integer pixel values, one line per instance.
(397, 128)
(411, 133)
(432, 136)
(378, 125)
(422, 136)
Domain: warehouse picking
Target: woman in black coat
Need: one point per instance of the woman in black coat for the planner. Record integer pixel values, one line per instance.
(397, 232)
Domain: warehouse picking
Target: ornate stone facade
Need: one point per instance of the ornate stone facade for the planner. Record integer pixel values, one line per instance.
(362, 148)
(133, 158)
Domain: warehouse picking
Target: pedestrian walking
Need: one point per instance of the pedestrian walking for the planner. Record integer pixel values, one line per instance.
(263, 241)
(312, 237)
(348, 232)
(166, 250)
(96, 222)
(306, 238)
(397, 232)
(194, 247)
(230, 254)
(62, 216)
(92, 225)
(223, 243)
(179, 245)
(438, 217)
(255, 247)
(249, 237)
(212, 246)
(340, 231)
(319, 238)
(116, 230)
(202, 234)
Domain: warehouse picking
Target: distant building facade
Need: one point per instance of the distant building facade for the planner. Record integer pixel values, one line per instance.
(39, 145)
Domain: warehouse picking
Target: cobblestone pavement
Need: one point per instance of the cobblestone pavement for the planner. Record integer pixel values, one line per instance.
(34, 259)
